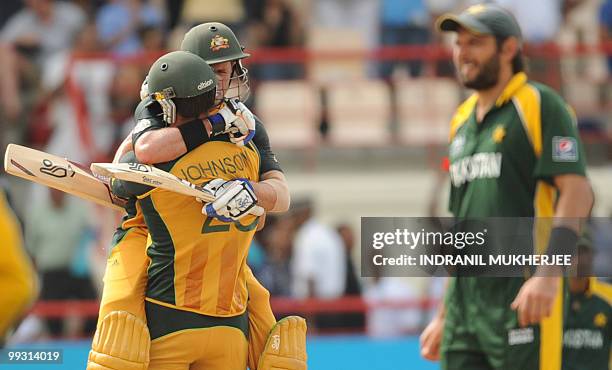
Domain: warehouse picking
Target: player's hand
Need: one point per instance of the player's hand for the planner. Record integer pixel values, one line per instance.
(239, 121)
(235, 199)
(535, 300)
(431, 338)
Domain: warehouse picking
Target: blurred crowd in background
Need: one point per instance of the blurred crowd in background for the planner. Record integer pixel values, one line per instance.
(71, 73)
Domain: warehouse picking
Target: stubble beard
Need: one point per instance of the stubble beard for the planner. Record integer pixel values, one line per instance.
(487, 77)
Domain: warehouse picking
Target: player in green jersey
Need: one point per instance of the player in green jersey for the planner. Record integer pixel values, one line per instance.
(587, 334)
(514, 152)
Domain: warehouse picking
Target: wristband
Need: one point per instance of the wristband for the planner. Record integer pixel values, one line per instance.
(563, 240)
(218, 124)
(194, 134)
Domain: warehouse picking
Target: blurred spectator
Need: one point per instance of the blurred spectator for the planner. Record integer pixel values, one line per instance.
(29, 40)
(9, 8)
(318, 261)
(359, 15)
(275, 273)
(352, 286)
(173, 11)
(389, 321)
(275, 24)
(579, 29)
(336, 25)
(56, 233)
(153, 39)
(229, 12)
(605, 21)
(43, 28)
(119, 23)
(124, 96)
(540, 23)
(79, 101)
(540, 20)
(404, 23)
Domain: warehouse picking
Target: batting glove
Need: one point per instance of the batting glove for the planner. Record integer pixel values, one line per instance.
(235, 199)
(239, 121)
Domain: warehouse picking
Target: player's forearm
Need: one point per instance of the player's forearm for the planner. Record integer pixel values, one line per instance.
(573, 206)
(125, 147)
(272, 192)
(159, 146)
(575, 201)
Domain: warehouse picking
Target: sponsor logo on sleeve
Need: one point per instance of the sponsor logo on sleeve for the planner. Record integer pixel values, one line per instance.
(565, 149)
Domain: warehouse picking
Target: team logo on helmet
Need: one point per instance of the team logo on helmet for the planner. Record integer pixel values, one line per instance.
(167, 93)
(218, 42)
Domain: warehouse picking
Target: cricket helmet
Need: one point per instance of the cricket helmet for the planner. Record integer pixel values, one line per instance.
(182, 83)
(216, 43)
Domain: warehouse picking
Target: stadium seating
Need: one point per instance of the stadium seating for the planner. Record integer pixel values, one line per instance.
(336, 67)
(291, 111)
(424, 109)
(359, 113)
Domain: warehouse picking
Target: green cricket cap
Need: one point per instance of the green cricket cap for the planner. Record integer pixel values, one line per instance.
(482, 19)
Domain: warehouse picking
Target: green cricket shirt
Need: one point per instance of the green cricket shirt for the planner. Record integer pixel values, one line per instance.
(504, 165)
(588, 329)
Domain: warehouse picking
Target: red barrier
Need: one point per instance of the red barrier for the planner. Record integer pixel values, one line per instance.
(429, 52)
(280, 306)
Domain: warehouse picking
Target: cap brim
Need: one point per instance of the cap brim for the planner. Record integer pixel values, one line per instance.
(452, 23)
(226, 59)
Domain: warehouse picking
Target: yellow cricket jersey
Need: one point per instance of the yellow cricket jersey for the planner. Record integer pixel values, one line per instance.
(17, 277)
(198, 263)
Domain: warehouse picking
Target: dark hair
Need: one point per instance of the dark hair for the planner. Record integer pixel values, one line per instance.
(518, 62)
(193, 107)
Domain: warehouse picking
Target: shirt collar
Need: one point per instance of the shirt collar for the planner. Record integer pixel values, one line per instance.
(516, 82)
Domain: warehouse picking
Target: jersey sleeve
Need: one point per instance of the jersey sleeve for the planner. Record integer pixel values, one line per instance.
(262, 141)
(148, 116)
(562, 150)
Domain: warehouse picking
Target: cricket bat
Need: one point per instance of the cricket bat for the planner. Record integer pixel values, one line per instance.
(59, 173)
(153, 176)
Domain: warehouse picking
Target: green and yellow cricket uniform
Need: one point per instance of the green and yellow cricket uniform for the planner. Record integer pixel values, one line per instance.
(125, 278)
(504, 167)
(197, 276)
(588, 329)
(17, 275)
